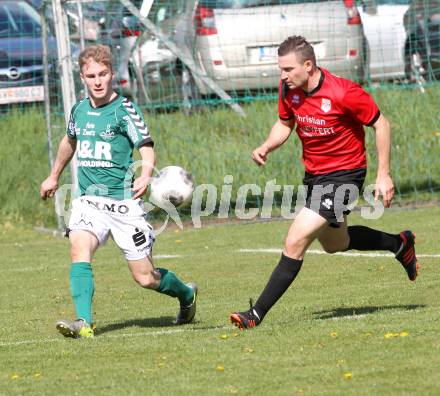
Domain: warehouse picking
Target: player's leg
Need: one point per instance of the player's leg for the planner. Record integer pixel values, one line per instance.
(335, 238)
(88, 230)
(349, 183)
(402, 245)
(134, 236)
(166, 282)
(306, 227)
(83, 245)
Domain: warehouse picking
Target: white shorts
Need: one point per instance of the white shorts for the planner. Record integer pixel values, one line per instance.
(125, 220)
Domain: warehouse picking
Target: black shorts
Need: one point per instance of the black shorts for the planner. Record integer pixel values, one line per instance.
(330, 194)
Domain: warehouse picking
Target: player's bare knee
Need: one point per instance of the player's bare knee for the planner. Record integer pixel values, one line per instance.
(295, 247)
(77, 253)
(146, 281)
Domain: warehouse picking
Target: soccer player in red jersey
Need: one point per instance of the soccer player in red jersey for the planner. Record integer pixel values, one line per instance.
(329, 113)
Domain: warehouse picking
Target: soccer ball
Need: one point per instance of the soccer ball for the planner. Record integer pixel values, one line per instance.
(172, 184)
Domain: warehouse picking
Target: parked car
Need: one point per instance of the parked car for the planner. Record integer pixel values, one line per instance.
(235, 41)
(21, 54)
(422, 48)
(385, 32)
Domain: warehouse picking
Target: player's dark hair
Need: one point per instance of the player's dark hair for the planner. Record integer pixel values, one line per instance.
(99, 53)
(300, 46)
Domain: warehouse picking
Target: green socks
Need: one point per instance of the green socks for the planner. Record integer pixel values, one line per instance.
(82, 289)
(172, 286)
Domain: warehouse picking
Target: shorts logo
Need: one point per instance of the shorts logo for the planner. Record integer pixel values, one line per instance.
(83, 222)
(326, 105)
(327, 203)
(121, 209)
(139, 238)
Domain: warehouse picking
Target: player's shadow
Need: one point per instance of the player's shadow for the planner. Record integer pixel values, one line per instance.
(163, 321)
(354, 312)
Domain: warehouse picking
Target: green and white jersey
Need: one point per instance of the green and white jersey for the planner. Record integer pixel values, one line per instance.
(106, 138)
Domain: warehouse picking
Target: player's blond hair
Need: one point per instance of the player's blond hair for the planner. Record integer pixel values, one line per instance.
(300, 46)
(99, 53)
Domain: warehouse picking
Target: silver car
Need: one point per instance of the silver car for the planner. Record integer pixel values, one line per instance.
(385, 33)
(235, 41)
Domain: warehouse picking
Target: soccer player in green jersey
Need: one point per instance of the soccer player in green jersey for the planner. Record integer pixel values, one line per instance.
(104, 129)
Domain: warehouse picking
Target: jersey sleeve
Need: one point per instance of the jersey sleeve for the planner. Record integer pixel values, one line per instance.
(284, 110)
(71, 126)
(134, 125)
(360, 105)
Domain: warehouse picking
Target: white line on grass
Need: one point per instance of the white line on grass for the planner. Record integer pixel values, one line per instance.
(124, 335)
(165, 256)
(315, 251)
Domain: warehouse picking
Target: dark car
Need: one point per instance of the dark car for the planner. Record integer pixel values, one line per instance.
(21, 53)
(422, 48)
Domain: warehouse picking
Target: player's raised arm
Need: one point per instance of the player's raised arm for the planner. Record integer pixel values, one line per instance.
(384, 183)
(66, 150)
(279, 133)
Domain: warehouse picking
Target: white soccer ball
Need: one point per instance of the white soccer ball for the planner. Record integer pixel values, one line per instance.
(172, 184)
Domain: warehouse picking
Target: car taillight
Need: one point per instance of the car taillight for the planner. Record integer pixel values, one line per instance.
(131, 32)
(353, 14)
(205, 21)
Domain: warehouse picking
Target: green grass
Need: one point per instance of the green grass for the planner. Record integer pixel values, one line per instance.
(217, 142)
(332, 322)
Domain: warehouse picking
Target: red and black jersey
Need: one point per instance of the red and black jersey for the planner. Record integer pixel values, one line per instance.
(329, 121)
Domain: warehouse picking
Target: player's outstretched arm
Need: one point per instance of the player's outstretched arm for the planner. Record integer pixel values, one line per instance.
(66, 150)
(384, 183)
(140, 184)
(279, 133)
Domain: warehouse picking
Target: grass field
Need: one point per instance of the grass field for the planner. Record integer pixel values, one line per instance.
(350, 325)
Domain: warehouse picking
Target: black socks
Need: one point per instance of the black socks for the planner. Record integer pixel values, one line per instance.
(282, 277)
(364, 238)
(361, 238)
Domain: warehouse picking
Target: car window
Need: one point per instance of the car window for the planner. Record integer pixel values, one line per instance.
(18, 19)
(251, 3)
